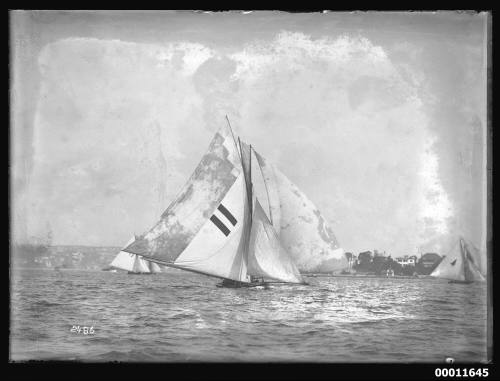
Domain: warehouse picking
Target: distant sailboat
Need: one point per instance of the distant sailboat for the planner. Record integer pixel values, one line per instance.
(133, 264)
(153, 267)
(140, 266)
(459, 265)
(217, 225)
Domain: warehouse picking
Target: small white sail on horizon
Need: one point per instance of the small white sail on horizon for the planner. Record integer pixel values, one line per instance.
(123, 260)
(140, 265)
(458, 265)
(133, 263)
(154, 267)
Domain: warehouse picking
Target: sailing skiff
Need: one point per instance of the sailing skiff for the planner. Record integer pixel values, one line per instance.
(240, 219)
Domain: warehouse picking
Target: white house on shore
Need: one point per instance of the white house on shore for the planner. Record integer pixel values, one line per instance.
(407, 260)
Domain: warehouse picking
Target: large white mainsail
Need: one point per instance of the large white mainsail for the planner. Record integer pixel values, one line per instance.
(458, 265)
(205, 229)
(219, 247)
(266, 256)
(302, 230)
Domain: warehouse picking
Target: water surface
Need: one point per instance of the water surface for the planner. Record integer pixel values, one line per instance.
(180, 316)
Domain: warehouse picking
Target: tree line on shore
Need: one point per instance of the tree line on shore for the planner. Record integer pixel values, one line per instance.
(378, 264)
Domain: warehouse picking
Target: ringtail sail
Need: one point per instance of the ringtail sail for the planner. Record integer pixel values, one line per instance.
(301, 228)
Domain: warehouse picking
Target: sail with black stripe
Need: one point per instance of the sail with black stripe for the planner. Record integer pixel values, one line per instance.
(219, 248)
(205, 229)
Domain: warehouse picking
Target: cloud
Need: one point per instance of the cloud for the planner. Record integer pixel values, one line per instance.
(121, 125)
(343, 123)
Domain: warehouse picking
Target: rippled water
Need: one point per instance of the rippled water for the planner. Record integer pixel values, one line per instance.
(180, 316)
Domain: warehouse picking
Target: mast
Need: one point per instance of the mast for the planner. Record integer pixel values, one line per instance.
(250, 206)
(250, 196)
(238, 148)
(464, 258)
(247, 167)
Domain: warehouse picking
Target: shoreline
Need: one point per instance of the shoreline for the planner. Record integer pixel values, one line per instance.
(365, 276)
(310, 275)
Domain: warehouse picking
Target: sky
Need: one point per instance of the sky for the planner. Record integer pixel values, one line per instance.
(379, 118)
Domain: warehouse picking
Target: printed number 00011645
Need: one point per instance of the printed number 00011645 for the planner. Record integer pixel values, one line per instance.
(461, 372)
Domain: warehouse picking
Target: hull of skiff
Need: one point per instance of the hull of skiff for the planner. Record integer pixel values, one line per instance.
(134, 273)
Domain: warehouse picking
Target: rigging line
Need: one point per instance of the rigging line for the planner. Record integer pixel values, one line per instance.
(234, 140)
(247, 180)
(251, 185)
(464, 258)
(267, 190)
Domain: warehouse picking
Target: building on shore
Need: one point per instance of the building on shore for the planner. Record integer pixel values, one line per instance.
(407, 260)
(379, 262)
